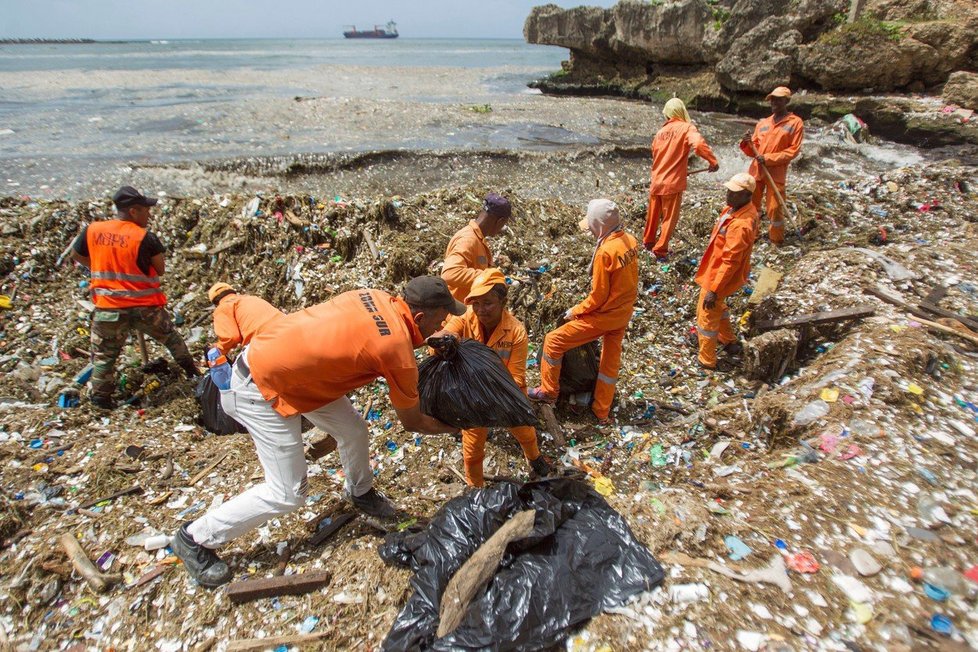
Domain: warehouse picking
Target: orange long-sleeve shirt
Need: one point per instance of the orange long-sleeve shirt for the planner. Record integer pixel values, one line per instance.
(726, 261)
(614, 282)
(670, 156)
(467, 255)
(778, 142)
(508, 340)
(239, 317)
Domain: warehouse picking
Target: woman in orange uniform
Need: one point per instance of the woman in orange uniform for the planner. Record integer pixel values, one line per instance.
(488, 321)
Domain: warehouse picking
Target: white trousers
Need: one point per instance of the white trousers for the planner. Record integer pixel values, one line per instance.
(278, 441)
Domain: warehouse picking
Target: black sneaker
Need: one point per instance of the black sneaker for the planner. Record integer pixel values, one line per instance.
(202, 563)
(734, 348)
(541, 468)
(102, 402)
(374, 503)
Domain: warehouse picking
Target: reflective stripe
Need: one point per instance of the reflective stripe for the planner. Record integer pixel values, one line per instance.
(553, 362)
(607, 379)
(105, 292)
(134, 278)
(702, 332)
(504, 354)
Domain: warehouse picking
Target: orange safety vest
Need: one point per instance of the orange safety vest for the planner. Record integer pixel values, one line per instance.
(117, 281)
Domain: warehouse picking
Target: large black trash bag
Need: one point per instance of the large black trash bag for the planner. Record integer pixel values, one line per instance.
(580, 559)
(579, 368)
(212, 415)
(472, 388)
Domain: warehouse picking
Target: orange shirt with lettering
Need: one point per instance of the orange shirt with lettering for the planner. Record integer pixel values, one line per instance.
(239, 317)
(508, 340)
(467, 255)
(725, 264)
(614, 282)
(309, 358)
(670, 156)
(779, 142)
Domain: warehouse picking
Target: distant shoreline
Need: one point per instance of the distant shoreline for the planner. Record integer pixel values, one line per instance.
(53, 41)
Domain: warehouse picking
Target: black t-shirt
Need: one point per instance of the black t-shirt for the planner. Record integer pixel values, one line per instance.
(149, 247)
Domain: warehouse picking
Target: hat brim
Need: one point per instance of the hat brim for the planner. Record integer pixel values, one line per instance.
(735, 187)
(457, 308)
(772, 95)
(145, 201)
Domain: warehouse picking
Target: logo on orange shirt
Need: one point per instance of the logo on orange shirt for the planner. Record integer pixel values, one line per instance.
(368, 302)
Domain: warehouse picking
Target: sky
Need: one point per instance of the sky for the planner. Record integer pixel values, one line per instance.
(174, 19)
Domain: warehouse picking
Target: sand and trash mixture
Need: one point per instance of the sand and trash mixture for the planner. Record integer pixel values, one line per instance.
(801, 511)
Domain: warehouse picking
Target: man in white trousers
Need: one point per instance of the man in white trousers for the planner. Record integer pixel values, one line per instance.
(303, 365)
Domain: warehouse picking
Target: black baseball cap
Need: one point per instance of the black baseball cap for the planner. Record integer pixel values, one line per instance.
(431, 292)
(127, 197)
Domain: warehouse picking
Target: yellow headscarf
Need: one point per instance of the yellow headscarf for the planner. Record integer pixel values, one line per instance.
(675, 108)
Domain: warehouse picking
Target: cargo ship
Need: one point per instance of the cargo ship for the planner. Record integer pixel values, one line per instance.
(390, 31)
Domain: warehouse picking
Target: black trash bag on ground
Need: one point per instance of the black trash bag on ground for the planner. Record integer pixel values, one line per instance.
(212, 415)
(580, 559)
(579, 368)
(472, 388)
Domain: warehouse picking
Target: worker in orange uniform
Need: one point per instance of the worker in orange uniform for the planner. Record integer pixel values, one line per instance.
(126, 262)
(238, 317)
(670, 167)
(489, 322)
(724, 268)
(604, 313)
(304, 365)
(467, 253)
(777, 140)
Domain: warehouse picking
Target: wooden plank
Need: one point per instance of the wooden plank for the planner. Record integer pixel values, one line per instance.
(135, 489)
(935, 295)
(923, 311)
(247, 644)
(553, 426)
(950, 314)
(98, 581)
(858, 312)
(326, 532)
(766, 284)
(207, 469)
(270, 587)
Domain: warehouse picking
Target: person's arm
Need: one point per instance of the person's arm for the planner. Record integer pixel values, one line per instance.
(789, 153)
(82, 260)
(732, 258)
(459, 269)
(416, 421)
(79, 249)
(159, 264)
(750, 138)
(517, 361)
(600, 287)
(702, 149)
(226, 329)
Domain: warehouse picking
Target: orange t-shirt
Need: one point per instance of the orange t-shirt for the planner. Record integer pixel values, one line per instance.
(779, 143)
(239, 317)
(309, 358)
(670, 156)
(726, 261)
(508, 340)
(614, 282)
(467, 255)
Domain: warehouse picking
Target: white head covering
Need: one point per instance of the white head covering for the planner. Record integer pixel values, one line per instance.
(603, 219)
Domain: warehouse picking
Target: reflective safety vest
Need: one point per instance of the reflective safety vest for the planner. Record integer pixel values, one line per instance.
(117, 281)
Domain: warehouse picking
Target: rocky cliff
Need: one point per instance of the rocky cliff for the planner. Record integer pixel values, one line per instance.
(731, 47)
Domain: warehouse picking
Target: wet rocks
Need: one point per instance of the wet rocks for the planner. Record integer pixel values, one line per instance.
(962, 89)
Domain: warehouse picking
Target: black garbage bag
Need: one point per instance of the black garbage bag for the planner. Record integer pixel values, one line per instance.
(212, 415)
(471, 387)
(580, 559)
(579, 368)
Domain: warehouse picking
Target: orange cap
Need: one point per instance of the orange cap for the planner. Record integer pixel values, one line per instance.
(484, 283)
(780, 91)
(741, 181)
(217, 290)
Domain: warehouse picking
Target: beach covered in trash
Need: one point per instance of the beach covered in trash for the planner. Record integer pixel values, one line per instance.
(820, 496)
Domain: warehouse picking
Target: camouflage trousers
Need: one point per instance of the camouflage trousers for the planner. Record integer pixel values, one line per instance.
(111, 328)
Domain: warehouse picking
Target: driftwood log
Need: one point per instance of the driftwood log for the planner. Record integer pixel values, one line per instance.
(79, 559)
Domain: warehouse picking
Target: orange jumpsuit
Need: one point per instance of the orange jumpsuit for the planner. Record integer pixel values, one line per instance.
(604, 313)
(779, 143)
(670, 167)
(509, 341)
(723, 270)
(239, 317)
(467, 255)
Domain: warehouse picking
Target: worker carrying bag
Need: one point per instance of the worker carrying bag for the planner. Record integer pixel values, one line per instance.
(466, 385)
(212, 415)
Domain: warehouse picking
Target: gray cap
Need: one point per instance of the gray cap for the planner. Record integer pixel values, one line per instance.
(431, 292)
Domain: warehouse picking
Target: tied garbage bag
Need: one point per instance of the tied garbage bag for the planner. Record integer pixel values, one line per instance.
(469, 387)
(579, 368)
(579, 559)
(212, 415)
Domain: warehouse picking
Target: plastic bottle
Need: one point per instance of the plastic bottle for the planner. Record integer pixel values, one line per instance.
(220, 369)
(946, 578)
(811, 412)
(156, 542)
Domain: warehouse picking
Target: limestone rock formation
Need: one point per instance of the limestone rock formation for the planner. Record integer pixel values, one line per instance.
(962, 89)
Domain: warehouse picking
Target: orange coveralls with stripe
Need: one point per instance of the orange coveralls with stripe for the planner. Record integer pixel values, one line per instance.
(723, 270)
(466, 256)
(238, 317)
(510, 342)
(670, 167)
(779, 142)
(604, 313)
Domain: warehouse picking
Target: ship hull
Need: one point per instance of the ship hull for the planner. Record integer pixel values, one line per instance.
(368, 35)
